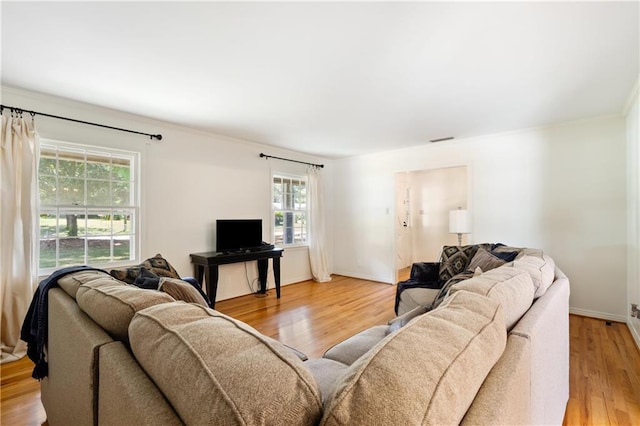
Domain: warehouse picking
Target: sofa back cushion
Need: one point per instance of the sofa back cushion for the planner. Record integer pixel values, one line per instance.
(428, 372)
(70, 283)
(510, 287)
(539, 266)
(112, 306)
(214, 369)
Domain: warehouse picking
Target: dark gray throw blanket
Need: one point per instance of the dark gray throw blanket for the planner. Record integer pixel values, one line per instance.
(34, 328)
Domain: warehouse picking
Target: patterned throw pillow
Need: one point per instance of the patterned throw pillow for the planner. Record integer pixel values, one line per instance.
(157, 264)
(456, 258)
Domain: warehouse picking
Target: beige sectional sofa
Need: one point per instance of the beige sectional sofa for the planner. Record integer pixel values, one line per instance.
(495, 351)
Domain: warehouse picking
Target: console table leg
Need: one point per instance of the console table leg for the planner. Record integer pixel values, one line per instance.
(211, 279)
(276, 275)
(198, 273)
(263, 266)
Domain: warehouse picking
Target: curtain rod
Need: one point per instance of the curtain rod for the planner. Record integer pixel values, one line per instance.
(293, 161)
(33, 113)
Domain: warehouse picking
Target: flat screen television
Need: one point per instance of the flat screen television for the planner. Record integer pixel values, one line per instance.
(238, 234)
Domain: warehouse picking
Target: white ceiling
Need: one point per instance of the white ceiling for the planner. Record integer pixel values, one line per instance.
(331, 79)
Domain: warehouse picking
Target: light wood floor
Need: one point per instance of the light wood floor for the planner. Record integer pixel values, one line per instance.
(605, 364)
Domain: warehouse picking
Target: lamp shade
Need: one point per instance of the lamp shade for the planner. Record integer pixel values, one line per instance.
(459, 222)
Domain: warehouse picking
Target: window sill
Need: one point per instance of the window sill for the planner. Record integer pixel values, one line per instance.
(43, 273)
(294, 247)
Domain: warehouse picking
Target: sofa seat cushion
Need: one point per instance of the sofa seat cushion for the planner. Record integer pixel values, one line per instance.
(428, 372)
(357, 345)
(401, 320)
(539, 266)
(327, 372)
(214, 369)
(113, 306)
(512, 288)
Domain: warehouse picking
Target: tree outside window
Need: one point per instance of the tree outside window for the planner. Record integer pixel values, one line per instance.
(88, 206)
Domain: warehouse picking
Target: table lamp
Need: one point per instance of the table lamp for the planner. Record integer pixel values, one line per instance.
(459, 223)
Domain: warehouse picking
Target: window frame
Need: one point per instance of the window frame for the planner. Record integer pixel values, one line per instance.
(86, 150)
(292, 176)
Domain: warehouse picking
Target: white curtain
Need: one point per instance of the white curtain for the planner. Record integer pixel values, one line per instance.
(19, 157)
(317, 253)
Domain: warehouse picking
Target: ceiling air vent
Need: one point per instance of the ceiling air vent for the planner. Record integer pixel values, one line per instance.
(448, 138)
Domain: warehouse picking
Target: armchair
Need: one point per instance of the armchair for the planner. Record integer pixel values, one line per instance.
(423, 275)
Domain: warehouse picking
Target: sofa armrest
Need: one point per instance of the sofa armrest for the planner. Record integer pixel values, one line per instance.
(127, 395)
(546, 325)
(505, 395)
(425, 271)
(402, 320)
(70, 392)
(301, 355)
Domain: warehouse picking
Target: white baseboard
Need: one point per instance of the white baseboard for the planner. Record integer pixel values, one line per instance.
(361, 276)
(596, 314)
(634, 333)
(294, 280)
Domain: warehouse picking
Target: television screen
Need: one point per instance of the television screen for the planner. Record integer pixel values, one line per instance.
(238, 234)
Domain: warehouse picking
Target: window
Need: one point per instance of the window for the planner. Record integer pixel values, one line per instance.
(289, 210)
(88, 206)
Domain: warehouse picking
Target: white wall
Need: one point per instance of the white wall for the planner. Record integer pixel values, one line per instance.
(189, 179)
(633, 218)
(560, 188)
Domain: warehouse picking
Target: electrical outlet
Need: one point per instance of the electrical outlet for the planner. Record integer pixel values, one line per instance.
(635, 312)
